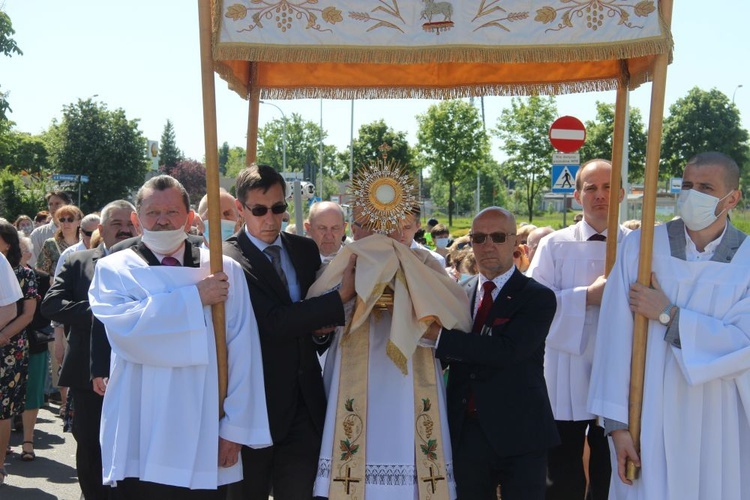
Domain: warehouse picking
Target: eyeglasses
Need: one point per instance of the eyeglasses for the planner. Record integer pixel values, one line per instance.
(87, 233)
(261, 210)
(479, 238)
(67, 219)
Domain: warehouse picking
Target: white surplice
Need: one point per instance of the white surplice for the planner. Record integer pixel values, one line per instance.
(695, 438)
(390, 470)
(10, 290)
(160, 419)
(567, 263)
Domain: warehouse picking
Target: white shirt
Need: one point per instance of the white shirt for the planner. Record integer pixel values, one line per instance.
(10, 290)
(435, 255)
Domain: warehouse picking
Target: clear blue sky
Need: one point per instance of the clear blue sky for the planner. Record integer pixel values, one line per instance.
(142, 56)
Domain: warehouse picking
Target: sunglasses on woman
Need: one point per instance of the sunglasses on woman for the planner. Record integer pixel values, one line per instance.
(67, 219)
(261, 210)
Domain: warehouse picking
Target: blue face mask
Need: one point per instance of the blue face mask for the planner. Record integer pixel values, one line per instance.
(465, 276)
(284, 224)
(227, 229)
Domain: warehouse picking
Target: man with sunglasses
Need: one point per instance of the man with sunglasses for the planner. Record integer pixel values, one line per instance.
(571, 262)
(279, 268)
(498, 409)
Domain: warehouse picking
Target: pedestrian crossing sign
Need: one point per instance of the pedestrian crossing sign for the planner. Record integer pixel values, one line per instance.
(563, 178)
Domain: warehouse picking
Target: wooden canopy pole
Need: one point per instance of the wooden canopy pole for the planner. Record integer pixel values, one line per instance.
(615, 182)
(212, 188)
(648, 212)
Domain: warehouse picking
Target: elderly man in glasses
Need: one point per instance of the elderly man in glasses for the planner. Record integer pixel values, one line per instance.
(499, 413)
(571, 262)
(279, 268)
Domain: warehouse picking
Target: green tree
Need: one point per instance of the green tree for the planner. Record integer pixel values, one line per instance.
(8, 47)
(235, 161)
(16, 197)
(524, 130)
(103, 144)
(223, 158)
(169, 153)
(453, 143)
(29, 155)
(302, 147)
(599, 133)
(370, 137)
(699, 122)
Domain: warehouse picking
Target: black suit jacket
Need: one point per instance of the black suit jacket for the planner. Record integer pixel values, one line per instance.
(290, 362)
(504, 370)
(67, 302)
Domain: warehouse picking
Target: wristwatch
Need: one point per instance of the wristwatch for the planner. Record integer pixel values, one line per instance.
(665, 316)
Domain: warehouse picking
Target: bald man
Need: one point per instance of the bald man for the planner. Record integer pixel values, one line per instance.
(229, 215)
(499, 413)
(326, 225)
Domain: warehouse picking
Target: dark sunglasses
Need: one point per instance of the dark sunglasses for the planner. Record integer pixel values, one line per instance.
(87, 233)
(479, 238)
(67, 219)
(261, 210)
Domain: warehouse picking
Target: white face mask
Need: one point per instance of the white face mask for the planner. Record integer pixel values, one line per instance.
(441, 242)
(227, 229)
(698, 209)
(163, 242)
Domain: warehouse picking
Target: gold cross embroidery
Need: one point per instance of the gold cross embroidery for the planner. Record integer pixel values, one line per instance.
(349, 479)
(432, 479)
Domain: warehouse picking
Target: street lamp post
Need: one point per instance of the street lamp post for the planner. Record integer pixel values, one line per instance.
(284, 132)
(735, 92)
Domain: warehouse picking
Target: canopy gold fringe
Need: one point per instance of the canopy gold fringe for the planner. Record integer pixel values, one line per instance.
(440, 93)
(404, 55)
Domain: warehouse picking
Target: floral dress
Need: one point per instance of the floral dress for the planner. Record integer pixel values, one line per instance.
(14, 357)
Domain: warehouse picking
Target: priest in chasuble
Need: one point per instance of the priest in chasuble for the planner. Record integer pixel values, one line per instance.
(386, 433)
(695, 421)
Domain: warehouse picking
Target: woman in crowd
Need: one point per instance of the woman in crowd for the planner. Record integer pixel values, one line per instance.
(68, 233)
(39, 333)
(24, 225)
(68, 219)
(14, 354)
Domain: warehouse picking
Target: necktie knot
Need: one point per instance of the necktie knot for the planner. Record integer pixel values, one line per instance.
(170, 261)
(597, 237)
(488, 287)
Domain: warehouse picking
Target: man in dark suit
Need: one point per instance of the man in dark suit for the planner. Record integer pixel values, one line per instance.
(499, 413)
(279, 268)
(83, 371)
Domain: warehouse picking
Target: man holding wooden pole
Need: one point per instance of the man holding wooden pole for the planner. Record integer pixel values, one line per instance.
(695, 425)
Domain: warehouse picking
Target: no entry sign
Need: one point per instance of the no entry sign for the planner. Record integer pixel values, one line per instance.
(567, 134)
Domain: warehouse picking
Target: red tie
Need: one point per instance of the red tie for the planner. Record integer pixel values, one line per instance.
(479, 320)
(484, 306)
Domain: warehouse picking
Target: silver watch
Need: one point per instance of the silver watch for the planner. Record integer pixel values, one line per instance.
(665, 317)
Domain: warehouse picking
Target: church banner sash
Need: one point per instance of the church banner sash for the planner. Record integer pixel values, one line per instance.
(432, 473)
(348, 460)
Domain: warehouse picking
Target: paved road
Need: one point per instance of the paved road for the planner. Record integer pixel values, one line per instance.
(52, 476)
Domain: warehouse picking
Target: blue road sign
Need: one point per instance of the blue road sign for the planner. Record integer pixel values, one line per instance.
(563, 178)
(65, 177)
(84, 178)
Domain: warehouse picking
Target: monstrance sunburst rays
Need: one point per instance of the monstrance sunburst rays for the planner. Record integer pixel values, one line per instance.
(383, 194)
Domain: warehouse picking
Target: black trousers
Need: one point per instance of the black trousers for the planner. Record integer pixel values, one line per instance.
(87, 408)
(134, 489)
(478, 469)
(289, 466)
(566, 476)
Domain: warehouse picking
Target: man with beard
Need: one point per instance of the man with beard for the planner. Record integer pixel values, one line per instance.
(67, 302)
